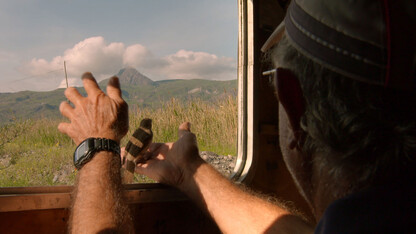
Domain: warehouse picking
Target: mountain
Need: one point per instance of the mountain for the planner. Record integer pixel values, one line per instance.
(130, 76)
(137, 89)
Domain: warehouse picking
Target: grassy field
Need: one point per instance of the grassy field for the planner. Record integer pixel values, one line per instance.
(35, 153)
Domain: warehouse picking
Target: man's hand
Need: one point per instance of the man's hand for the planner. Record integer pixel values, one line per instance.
(172, 163)
(98, 205)
(97, 115)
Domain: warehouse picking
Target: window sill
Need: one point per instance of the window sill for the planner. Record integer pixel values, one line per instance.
(57, 197)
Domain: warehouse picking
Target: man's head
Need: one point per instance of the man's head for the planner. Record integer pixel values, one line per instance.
(359, 124)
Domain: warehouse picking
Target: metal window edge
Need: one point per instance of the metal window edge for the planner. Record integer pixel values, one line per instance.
(245, 144)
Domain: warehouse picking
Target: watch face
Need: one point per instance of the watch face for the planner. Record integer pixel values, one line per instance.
(86, 150)
(81, 151)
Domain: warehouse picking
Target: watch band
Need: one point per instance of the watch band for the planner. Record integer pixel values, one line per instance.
(87, 149)
(104, 144)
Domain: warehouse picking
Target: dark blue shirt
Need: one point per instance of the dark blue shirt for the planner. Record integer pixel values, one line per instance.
(384, 209)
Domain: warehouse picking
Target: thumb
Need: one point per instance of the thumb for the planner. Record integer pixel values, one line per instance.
(184, 128)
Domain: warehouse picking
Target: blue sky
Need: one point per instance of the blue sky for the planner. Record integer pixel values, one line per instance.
(164, 39)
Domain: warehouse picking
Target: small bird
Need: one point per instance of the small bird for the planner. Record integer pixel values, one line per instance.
(136, 148)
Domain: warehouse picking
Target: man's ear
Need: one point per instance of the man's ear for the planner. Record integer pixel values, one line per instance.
(290, 95)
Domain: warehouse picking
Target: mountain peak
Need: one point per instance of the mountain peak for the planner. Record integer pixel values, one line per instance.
(130, 76)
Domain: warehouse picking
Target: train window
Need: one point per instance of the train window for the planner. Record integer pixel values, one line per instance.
(176, 60)
(246, 87)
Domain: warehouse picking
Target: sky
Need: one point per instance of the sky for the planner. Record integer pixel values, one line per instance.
(163, 39)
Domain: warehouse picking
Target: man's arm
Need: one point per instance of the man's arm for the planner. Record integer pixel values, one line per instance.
(97, 204)
(234, 210)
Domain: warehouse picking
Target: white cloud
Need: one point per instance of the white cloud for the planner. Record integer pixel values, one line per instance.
(199, 65)
(71, 82)
(105, 59)
(91, 54)
(136, 55)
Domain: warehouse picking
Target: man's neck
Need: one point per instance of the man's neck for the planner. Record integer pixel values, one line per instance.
(325, 190)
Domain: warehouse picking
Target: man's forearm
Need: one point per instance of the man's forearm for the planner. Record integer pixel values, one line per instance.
(235, 210)
(98, 202)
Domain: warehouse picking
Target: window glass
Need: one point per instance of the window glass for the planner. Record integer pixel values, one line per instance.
(176, 60)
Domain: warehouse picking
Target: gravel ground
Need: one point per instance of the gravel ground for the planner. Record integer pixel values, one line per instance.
(224, 164)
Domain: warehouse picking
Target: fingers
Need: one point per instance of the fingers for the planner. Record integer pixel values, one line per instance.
(153, 147)
(113, 89)
(90, 84)
(73, 95)
(141, 169)
(152, 151)
(149, 158)
(64, 127)
(123, 156)
(67, 129)
(184, 128)
(66, 109)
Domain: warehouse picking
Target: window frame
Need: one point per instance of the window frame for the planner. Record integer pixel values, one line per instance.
(247, 130)
(56, 197)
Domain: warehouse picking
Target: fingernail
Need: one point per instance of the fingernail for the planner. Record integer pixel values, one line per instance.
(186, 126)
(88, 75)
(114, 81)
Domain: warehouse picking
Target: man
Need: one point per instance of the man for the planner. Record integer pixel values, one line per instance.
(345, 81)
(346, 85)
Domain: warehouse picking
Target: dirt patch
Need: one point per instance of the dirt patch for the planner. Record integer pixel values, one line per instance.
(5, 161)
(63, 176)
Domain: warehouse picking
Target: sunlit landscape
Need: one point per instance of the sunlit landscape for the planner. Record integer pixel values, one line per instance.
(35, 153)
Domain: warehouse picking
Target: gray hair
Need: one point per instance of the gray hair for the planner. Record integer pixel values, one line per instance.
(359, 132)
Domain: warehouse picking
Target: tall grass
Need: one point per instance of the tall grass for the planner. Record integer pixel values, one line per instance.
(215, 124)
(34, 157)
(37, 153)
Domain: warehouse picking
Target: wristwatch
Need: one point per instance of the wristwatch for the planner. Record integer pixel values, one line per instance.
(87, 149)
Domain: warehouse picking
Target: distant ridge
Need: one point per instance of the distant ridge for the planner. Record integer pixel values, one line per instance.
(137, 90)
(130, 76)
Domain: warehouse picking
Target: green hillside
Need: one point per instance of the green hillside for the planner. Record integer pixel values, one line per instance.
(28, 104)
(137, 90)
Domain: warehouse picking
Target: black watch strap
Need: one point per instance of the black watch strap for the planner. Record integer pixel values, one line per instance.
(104, 144)
(86, 149)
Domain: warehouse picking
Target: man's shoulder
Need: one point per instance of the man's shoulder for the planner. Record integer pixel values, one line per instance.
(383, 209)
